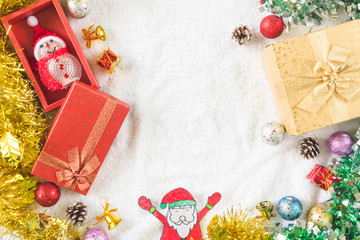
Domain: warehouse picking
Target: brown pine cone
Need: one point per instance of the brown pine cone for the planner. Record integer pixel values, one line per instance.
(77, 213)
(242, 35)
(309, 148)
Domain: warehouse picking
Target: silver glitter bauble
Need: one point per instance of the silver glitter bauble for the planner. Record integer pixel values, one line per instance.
(273, 133)
(78, 8)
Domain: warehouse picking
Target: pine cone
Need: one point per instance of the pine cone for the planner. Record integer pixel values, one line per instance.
(76, 212)
(241, 35)
(309, 148)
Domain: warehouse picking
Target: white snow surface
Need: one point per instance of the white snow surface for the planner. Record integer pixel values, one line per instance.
(198, 103)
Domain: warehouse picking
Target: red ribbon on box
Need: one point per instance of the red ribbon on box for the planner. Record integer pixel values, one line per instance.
(322, 177)
(78, 171)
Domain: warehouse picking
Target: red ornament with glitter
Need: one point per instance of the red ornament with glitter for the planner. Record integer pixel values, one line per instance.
(322, 177)
(272, 26)
(57, 67)
(47, 194)
(109, 60)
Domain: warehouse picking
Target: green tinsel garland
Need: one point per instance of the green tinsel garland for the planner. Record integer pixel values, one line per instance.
(308, 12)
(352, 7)
(344, 205)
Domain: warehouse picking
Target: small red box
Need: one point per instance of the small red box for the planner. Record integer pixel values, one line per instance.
(80, 137)
(322, 177)
(52, 17)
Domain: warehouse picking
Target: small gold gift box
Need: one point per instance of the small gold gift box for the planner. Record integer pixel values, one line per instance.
(315, 78)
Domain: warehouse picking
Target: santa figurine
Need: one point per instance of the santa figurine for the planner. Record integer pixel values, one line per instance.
(57, 67)
(182, 219)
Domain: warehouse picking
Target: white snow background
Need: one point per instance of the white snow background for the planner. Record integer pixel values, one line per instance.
(198, 103)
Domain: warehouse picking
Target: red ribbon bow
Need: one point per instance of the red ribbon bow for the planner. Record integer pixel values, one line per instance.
(77, 173)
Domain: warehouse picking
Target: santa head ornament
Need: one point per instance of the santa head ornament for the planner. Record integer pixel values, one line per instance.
(57, 67)
(177, 198)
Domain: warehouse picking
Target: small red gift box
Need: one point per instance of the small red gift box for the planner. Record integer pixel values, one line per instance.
(51, 17)
(80, 138)
(322, 177)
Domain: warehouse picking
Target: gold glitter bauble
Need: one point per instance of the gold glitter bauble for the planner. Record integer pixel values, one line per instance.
(319, 216)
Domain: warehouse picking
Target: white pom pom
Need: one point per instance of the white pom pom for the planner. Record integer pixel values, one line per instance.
(32, 21)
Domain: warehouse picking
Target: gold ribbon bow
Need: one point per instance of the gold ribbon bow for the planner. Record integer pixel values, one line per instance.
(109, 217)
(79, 170)
(266, 209)
(327, 183)
(76, 173)
(87, 36)
(330, 78)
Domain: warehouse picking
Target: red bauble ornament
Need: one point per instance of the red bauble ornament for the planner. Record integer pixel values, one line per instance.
(272, 26)
(47, 194)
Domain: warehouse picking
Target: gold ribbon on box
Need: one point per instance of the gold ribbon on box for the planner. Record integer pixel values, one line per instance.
(78, 171)
(329, 78)
(328, 180)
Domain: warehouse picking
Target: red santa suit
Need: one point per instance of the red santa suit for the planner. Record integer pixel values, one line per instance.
(177, 198)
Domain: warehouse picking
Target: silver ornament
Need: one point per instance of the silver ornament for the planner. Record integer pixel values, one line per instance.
(78, 8)
(273, 133)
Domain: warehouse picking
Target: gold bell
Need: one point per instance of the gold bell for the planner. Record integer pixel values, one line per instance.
(109, 217)
(266, 209)
(112, 221)
(99, 33)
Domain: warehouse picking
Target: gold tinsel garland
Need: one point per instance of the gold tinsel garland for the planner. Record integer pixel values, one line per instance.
(18, 218)
(236, 225)
(22, 134)
(22, 121)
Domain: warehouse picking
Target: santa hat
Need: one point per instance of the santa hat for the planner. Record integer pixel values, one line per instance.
(176, 198)
(41, 35)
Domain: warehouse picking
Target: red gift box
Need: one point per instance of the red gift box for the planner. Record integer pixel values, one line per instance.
(80, 138)
(322, 177)
(51, 17)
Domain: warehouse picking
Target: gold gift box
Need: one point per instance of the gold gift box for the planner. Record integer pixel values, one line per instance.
(315, 78)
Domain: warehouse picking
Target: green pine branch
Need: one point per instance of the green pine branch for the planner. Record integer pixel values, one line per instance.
(309, 12)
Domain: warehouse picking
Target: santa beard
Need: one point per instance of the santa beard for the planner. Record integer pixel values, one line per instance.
(184, 227)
